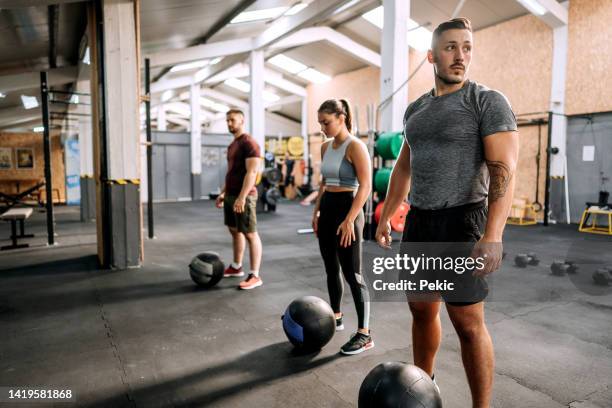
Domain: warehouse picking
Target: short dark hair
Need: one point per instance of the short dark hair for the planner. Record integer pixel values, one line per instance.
(234, 111)
(460, 23)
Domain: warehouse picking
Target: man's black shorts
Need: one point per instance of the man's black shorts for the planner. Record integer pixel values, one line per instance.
(462, 224)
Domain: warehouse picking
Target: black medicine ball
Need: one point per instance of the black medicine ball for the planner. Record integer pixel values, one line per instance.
(398, 385)
(206, 269)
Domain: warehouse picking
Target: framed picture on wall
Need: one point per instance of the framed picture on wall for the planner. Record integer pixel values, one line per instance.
(6, 159)
(25, 158)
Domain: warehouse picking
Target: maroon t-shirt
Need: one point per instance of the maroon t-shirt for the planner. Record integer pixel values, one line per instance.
(242, 148)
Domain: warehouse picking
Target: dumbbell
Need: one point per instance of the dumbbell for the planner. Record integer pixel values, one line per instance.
(603, 276)
(560, 268)
(573, 268)
(522, 260)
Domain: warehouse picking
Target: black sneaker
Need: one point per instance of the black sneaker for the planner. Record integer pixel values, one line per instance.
(339, 325)
(357, 344)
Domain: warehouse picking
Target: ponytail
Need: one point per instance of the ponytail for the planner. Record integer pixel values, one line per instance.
(338, 107)
(347, 114)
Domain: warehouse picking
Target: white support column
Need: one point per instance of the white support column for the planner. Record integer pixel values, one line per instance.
(119, 211)
(557, 101)
(196, 140)
(256, 102)
(161, 118)
(394, 67)
(305, 137)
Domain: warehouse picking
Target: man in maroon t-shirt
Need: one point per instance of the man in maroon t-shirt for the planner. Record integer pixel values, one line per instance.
(239, 197)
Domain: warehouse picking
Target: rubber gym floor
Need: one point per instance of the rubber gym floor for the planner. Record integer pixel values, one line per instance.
(149, 338)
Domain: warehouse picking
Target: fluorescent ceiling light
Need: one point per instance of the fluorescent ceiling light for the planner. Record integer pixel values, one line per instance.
(376, 16)
(533, 6)
(238, 84)
(288, 64)
(314, 76)
(86, 57)
(419, 38)
(245, 87)
(345, 7)
(209, 103)
(189, 65)
(296, 9)
(270, 96)
(29, 102)
(39, 129)
(167, 95)
(256, 15)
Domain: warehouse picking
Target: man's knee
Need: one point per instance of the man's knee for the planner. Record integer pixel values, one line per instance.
(424, 311)
(251, 236)
(468, 322)
(470, 332)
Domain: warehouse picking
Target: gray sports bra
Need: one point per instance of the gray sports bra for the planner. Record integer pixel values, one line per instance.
(336, 169)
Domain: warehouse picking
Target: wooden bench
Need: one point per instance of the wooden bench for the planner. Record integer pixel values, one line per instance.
(13, 215)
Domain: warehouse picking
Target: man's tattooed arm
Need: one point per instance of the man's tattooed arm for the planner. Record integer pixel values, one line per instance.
(500, 176)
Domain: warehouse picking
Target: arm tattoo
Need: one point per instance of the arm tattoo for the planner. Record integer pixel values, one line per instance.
(500, 178)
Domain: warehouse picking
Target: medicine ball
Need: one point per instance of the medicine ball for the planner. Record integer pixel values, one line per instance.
(398, 385)
(309, 323)
(206, 269)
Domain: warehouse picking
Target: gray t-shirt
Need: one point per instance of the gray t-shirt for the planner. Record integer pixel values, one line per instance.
(445, 134)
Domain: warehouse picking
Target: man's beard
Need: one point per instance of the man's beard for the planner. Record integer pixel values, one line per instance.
(449, 81)
(446, 80)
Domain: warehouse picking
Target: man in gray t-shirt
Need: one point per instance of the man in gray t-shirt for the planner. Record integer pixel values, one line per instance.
(458, 162)
(445, 134)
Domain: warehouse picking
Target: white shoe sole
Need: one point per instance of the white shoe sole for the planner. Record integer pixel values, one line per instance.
(252, 286)
(234, 275)
(340, 328)
(361, 350)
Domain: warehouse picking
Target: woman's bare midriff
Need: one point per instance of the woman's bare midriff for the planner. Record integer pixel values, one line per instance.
(336, 189)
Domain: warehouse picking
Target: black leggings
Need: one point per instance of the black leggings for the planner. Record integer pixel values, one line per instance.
(333, 210)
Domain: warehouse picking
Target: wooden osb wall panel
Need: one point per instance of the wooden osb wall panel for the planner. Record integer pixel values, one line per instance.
(589, 57)
(360, 87)
(34, 141)
(515, 58)
(423, 80)
(526, 174)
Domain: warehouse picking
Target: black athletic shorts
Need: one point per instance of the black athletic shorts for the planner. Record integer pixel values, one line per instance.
(458, 228)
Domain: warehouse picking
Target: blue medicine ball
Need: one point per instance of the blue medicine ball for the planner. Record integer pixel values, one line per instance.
(309, 323)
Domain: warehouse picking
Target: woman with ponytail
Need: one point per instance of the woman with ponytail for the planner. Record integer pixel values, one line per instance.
(338, 215)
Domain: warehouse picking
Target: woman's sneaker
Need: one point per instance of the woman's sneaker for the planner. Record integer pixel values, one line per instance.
(357, 344)
(339, 325)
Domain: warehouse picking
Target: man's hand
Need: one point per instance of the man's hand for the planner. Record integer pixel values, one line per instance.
(491, 251)
(219, 201)
(239, 205)
(383, 234)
